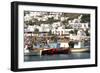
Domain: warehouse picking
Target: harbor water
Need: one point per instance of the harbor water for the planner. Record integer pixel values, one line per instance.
(71, 56)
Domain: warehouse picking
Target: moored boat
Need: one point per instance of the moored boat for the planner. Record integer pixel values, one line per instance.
(56, 51)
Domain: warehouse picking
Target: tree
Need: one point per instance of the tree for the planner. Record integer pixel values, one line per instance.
(36, 30)
(87, 33)
(75, 31)
(71, 32)
(54, 38)
(50, 32)
(85, 18)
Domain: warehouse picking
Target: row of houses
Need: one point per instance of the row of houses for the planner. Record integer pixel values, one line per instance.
(43, 16)
(56, 27)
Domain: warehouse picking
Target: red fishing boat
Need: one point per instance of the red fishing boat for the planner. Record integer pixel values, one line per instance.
(56, 51)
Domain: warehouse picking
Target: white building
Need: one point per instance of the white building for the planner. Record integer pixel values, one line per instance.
(81, 33)
(56, 24)
(45, 28)
(56, 17)
(80, 25)
(64, 18)
(27, 17)
(64, 44)
(76, 23)
(61, 31)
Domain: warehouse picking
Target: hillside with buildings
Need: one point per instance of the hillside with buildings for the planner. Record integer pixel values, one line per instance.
(46, 28)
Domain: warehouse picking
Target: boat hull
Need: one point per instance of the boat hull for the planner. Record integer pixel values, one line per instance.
(56, 51)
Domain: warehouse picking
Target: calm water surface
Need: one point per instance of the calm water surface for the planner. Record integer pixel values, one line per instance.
(85, 55)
